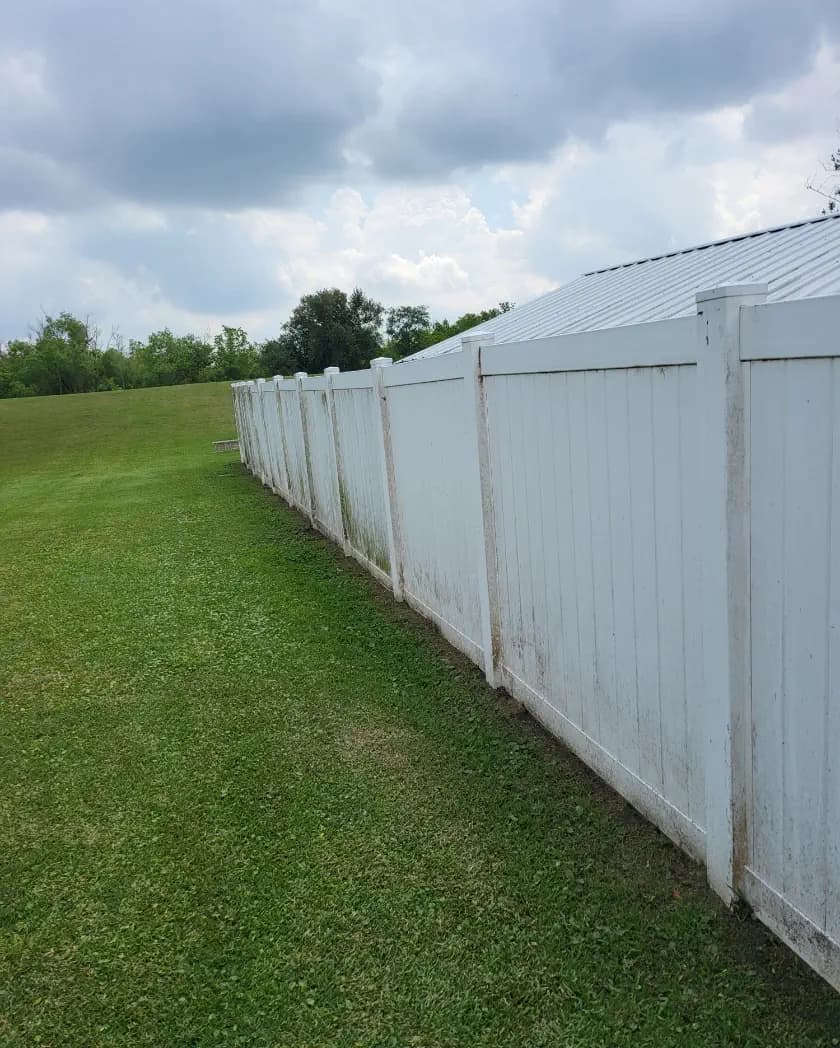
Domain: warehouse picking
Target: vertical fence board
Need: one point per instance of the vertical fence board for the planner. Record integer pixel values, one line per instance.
(503, 473)
(535, 637)
(767, 497)
(617, 387)
(642, 501)
(690, 511)
(831, 735)
(579, 494)
(807, 470)
(567, 553)
(602, 569)
(668, 546)
(554, 651)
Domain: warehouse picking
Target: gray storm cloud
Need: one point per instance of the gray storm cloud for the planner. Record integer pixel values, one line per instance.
(227, 104)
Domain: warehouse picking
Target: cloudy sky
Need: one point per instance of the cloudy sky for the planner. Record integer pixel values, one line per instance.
(186, 163)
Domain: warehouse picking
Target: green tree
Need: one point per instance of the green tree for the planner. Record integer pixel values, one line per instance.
(165, 359)
(12, 370)
(443, 329)
(328, 328)
(277, 357)
(118, 370)
(62, 356)
(406, 327)
(234, 357)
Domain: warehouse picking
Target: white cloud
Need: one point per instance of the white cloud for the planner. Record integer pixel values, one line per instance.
(429, 275)
(23, 92)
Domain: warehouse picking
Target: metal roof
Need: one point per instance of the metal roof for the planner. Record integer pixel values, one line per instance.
(801, 260)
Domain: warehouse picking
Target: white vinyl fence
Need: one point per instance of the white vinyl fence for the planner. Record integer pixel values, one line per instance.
(636, 532)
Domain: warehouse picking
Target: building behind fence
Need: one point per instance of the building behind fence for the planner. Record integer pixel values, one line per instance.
(636, 532)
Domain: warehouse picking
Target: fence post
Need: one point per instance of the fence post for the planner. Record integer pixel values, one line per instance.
(483, 526)
(723, 400)
(389, 477)
(310, 508)
(329, 374)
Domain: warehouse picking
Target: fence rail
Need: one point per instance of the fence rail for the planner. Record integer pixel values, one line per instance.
(635, 532)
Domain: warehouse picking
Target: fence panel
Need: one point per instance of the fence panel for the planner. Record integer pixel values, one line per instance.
(793, 846)
(360, 460)
(597, 553)
(274, 441)
(250, 421)
(326, 507)
(432, 461)
(261, 439)
(241, 422)
(292, 429)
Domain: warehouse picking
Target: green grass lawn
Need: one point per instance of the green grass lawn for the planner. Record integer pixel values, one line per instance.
(247, 800)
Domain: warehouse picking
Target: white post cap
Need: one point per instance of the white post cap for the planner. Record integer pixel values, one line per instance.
(732, 291)
(486, 338)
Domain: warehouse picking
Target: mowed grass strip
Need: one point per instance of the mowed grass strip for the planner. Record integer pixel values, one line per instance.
(247, 800)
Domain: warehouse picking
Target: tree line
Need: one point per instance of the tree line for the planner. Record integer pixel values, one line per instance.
(329, 327)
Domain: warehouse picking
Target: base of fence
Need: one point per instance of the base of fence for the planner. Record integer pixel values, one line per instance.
(449, 632)
(792, 926)
(686, 834)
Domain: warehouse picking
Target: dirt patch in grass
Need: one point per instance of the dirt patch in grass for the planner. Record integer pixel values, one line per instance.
(394, 749)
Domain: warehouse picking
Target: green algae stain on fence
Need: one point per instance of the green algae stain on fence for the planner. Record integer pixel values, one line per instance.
(361, 536)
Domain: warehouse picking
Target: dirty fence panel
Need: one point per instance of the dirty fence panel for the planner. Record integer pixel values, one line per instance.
(592, 475)
(261, 437)
(292, 430)
(242, 422)
(360, 472)
(249, 402)
(431, 456)
(274, 440)
(326, 507)
(793, 864)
